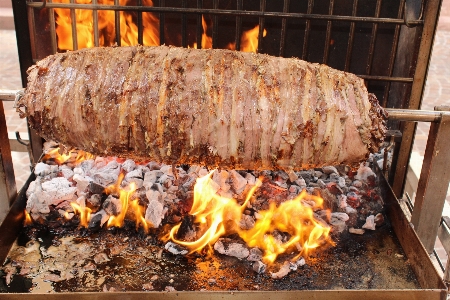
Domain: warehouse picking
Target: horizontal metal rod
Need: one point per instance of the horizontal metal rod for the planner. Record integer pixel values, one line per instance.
(414, 115)
(226, 12)
(386, 78)
(9, 95)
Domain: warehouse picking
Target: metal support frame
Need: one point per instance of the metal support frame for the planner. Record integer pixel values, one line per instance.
(8, 189)
(433, 182)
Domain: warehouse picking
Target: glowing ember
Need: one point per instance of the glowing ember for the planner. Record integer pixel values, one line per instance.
(219, 215)
(27, 221)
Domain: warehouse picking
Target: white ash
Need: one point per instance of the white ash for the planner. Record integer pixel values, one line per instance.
(135, 177)
(95, 200)
(128, 165)
(112, 206)
(170, 289)
(356, 230)
(66, 171)
(175, 249)
(255, 254)
(82, 182)
(221, 178)
(364, 172)
(294, 265)
(105, 174)
(148, 287)
(370, 223)
(329, 170)
(338, 220)
(223, 246)
(259, 267)
(342, 201)
(251, 180)
(154, 213)
(42, 169)
(284, 270)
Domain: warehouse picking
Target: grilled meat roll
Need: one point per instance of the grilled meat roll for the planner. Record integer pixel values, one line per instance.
(211, 107)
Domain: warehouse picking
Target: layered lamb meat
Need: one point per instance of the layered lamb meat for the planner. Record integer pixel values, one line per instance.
(210, 107)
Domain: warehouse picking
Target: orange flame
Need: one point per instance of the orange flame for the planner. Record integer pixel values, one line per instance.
(249, 40)
(76, 156)
(206, 39)
(84, 212)
(106, 26)
(138, 212)
(27, 221)
(214, 214)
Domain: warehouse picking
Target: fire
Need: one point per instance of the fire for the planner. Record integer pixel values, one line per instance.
(106, 26)
(249, 40)
(74, 156)
(83, 211)
(27, 221)
(218, 216)
(128, 28)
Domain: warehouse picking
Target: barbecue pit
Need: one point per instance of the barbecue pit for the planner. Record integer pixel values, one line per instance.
(326, 32)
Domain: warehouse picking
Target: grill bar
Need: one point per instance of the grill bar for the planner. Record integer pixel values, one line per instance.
(351, 36)
(283, 28)
(328, 34)
(199, 26)
(393, 52)
(117, 24)
(162, 23)
(215, 27)
(74, 26)
(183, 26)
(51, 18)
(218, 12)
(373, 38)
(307, 29)
(237, 38)
(95, 21)
(261, 26)
(139, 24)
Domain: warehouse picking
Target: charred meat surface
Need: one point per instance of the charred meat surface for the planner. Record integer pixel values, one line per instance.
(210, 107)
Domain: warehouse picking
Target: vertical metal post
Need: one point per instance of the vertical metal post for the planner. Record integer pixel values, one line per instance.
(8, 190)
(433, 183)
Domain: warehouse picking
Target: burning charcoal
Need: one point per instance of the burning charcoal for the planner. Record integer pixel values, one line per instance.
(259, 267)
(356, 230)
(170, 289)
(136, 177)
(292, 176)
(238, 182)
(148, 287)
(338, 221)
(221, 179)
(106, 175)
(175, 249)
(301, 183)
(329, 170)
(352, 216)
(66, 171)
(334, 188)
(225, 194)
(370, 223)
(154, 213)
(112, 206)
(186, 230)
(55, 191)
(129, 165)
(284, 270)
(42, 169)
(150, 178)
(95, 200)
(341, 182)
(379, 219)
(321, 184)
(101, 258)
(329, 200)
(223, 246)
(342, 199)
(153, 195)
(255, 254)
(357, 183)
(324, 215)
(364, 172)
(98, 219)
(353, 200)
(82, 182)
(246, 222)
(167, 169)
